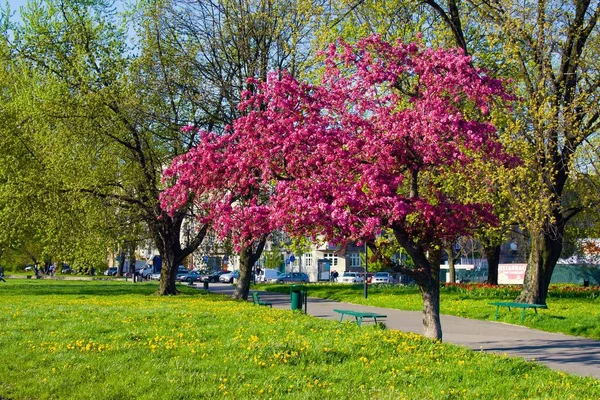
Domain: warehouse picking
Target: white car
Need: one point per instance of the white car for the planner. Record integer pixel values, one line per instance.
(155, 276)
(351, 277)
(146, 271)
(229, 277)
(382, 277)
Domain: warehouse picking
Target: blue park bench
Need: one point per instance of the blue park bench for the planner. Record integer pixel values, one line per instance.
(359, 315)
(257, 301)
(523, 306)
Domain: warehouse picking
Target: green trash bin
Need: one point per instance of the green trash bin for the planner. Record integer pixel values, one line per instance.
(297, 296)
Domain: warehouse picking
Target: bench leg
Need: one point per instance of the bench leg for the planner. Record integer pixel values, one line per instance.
(358, 321)
(341, 317)
(497, 308)
(523, 315)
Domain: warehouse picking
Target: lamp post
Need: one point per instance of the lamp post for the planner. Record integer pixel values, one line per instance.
(366, 288)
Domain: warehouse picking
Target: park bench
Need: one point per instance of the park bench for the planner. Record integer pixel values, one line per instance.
(523, 306)
(257, 301)
(359, 315)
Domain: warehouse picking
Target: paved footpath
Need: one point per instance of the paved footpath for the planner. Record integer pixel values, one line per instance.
(570, 354)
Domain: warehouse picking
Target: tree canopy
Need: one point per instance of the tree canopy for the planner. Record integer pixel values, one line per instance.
(361, 151)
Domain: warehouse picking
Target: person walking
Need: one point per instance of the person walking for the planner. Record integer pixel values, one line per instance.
(2, 274)
(335, 275)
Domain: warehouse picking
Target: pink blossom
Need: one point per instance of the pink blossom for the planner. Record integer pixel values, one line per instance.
(334, 158)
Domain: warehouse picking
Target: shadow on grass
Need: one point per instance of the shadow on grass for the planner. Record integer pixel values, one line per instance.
(86, 288)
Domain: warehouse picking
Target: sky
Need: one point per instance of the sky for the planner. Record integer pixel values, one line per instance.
(14, 4)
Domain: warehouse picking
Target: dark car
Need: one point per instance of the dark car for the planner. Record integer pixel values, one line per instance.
(212, 276)
(292, 277)
(111, 271)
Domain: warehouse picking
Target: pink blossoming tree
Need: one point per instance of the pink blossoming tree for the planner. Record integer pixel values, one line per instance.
(365, 150)
(226, 194)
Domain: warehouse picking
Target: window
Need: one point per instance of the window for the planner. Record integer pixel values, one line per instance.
(354, 259)
(333, 258)
(308, 259)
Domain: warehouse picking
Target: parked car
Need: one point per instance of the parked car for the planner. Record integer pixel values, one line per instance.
(191, 276)
(112, 271)
(212, 276)
(181, 271)
(351, 277)
(146, 271)
(383, 277)
(228, 277)
(288, 277)
(268, 275)
(155, 276)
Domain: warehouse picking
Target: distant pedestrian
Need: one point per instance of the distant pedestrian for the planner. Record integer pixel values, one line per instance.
(334, 275)
(2, 274)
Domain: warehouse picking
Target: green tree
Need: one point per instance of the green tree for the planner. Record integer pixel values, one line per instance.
(225, 42)
(97, 120)
(557, 70)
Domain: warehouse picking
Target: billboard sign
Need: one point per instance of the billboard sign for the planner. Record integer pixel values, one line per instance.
(511, 274)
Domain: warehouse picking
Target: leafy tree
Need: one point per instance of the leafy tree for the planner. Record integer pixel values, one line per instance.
(98, 122)
(40, 220)
(227, 42)
(555, 66)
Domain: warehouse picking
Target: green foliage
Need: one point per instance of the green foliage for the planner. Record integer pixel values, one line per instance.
(273, 258)
(73, 336)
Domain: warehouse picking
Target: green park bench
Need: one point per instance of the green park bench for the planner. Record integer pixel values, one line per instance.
(257, 301)
(359, 315)
(523, 306)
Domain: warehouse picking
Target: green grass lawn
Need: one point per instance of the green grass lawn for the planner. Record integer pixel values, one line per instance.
(116, 340)
(571, 310)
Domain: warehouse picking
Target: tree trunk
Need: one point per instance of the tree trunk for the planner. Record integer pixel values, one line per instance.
(170, 263)
(492, 255)
(545, 250)
(170, 251)
(432, 327)
(167, 236)
(248, 257)
(426, 273)
(451, 269)
(243, 284)
(120, 261)
(131, 258)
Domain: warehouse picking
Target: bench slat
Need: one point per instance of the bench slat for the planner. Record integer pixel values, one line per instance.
(256, 300)
(359, 315)
(513, 304)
